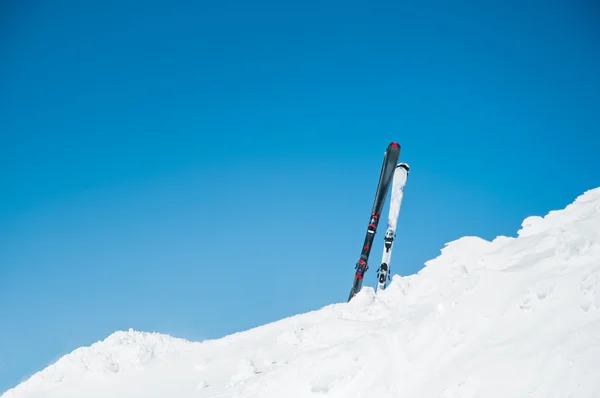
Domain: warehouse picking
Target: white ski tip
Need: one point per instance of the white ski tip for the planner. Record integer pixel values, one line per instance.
(404, 166)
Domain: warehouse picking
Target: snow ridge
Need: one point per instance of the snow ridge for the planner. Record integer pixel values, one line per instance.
(120, 352)
(512, 317)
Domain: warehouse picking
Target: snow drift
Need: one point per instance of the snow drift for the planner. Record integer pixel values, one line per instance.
(514, 317)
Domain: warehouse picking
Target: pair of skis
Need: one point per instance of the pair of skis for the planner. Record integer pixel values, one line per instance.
(391, 174)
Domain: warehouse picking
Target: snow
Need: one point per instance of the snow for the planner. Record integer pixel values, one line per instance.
(514, 317)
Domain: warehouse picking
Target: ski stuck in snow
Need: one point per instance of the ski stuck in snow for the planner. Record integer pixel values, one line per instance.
(390, 159)
(398, 184)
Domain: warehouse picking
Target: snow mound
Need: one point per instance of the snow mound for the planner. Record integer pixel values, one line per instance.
(122, 351)
(512, 317)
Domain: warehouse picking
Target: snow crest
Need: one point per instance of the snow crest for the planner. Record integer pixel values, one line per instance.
(513, 317)
(120, 352)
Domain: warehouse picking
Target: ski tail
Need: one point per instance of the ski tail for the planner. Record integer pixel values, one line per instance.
(398, 183)
(390, 159)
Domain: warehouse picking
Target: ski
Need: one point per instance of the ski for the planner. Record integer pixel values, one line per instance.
(398, 184)
(390, 159)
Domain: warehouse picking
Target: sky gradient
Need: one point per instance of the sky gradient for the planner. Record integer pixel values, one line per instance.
(200, 169)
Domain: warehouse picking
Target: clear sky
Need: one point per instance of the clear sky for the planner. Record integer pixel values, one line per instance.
(200, 168)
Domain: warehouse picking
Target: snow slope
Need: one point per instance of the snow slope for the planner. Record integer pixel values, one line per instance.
(515, 317)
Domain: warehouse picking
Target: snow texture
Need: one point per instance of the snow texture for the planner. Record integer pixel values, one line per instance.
(514, 317)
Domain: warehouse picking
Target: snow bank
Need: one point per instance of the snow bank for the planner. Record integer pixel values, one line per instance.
(514, 317)
(120, 352)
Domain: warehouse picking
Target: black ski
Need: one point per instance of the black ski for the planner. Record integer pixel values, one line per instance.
(390, 159)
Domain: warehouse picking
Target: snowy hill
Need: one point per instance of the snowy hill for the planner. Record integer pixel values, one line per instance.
(515, 317)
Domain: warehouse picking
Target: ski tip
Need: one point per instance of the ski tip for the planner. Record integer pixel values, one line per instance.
(395, 145)
(404, 166)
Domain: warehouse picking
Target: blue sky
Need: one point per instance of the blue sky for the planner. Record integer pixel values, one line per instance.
(200, 169)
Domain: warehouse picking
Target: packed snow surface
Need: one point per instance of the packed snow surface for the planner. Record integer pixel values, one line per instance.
(515, 317)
